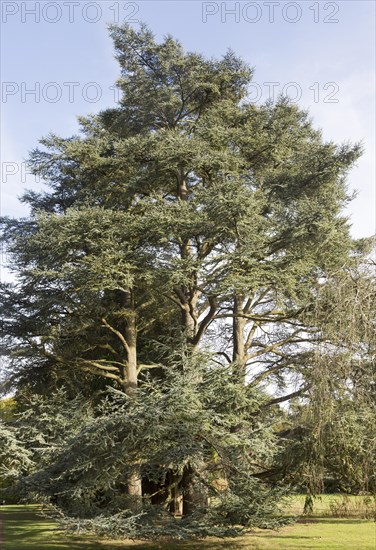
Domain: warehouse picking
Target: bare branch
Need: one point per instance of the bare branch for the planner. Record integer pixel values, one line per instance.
(206, 321)
(227, 357)
(144, 366)
(272, 347)
(117, 333)
(98, 365)
(267, 373)
(285, 397)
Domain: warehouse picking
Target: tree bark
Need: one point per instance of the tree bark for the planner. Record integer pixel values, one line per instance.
(134, 481)
(134, 486)
(239, 355)
(131, 374)
(195, 495)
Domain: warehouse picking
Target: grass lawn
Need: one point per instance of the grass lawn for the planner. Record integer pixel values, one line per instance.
(23, 529)
(347, 506)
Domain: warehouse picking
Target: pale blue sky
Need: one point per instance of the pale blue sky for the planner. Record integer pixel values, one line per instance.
(322, 51)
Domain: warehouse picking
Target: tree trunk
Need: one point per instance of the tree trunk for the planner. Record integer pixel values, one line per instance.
(187, 493)
(134, 485)
(131, 374)
(195, 495)
(176, 495)
(134, 481)
(239, 356)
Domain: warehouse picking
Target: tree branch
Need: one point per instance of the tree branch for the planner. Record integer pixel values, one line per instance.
(117, 333)
(285, 397)
(207, 319)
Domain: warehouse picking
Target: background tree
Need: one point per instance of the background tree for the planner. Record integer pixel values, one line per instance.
(332, 438)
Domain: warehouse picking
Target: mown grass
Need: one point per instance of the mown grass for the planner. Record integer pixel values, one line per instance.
(335, 505)
(23, 528)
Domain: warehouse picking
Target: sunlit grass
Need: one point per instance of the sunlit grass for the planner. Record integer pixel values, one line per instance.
(23, 528)
(335, 505)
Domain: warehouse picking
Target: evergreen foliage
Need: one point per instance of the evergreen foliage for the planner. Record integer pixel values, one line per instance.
(193, 423)
(184, 254)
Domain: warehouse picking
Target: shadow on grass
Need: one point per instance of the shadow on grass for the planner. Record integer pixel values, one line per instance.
(24, 528)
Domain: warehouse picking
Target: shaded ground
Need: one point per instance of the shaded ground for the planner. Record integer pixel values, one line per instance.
(24, 529)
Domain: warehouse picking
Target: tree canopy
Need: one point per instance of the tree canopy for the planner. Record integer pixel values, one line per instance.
(183, 255)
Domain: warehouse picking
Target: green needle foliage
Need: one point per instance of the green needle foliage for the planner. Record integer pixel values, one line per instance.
(183, 220)
(193, 423)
